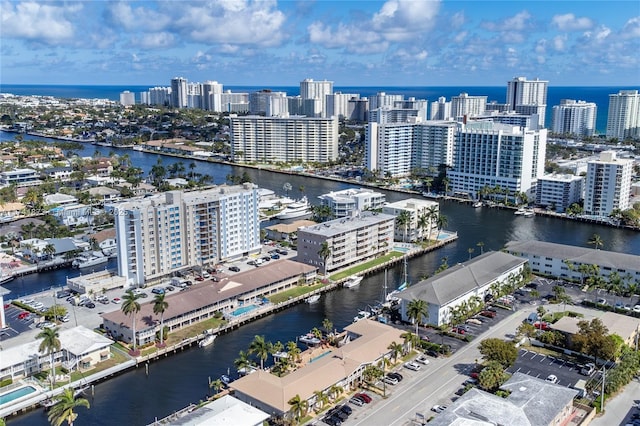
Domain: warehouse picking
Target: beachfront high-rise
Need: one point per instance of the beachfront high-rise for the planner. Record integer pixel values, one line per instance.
(441, 109)
(623, 120)
(284, 139)
(608, 184)
(464, 105)
(316, 91)
(179, 97)
(577, 118)
(528, 97)
(211, 96)
(167, 232)
(489, 154)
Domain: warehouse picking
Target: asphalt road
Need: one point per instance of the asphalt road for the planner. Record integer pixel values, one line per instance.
(435, 384)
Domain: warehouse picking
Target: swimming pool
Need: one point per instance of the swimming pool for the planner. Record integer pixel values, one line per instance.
(15, 394)
(243, 310)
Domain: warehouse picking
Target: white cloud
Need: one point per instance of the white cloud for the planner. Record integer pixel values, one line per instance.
(569, 22)
(46, 23)
(518, 22)
(458, 20)
(402, 19)
(459, 38)
(352, 39)
(232, 22)
(559, 42)
(160, 40)
(136, 19)
(632, 28)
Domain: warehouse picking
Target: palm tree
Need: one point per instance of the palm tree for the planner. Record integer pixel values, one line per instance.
(442, 222)
(50, 345)
(49, 250)
(403, 220)
(293, 351)
(327, 325)
(299, 407)
(396, 349)
(470, 250)
(423, 223)
(62, 410)
(335, 391)
(159, 306)
(324, 253)
(321, 399)
(481, 245)
(216, 385)
(416, 310)
(131, 307)
(260, 348)
(242, 361)
(596, 241)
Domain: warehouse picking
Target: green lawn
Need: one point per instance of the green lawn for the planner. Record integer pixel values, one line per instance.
(294, 292)
(367, 265)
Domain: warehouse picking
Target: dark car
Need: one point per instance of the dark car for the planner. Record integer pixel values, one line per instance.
(234, 269)
(63, 293)
(169, 288)
(157, 290)
(397, 376)
(433, 353)
(346, 409)
(282, 252)
(337, 412)
(90, 305)
(363, 396)
(332, 421)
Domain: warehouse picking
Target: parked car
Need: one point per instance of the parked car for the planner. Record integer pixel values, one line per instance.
(474, 321)
(432, 353)
(396, 375)
(169, 288)
(541, 325)
(275, 256)
(551, 379)
(358, 402)
(365, 397)
(458, 330)
(63, 318)
(24, 315)
(422, 359)
(412, 366)
(90, 305)
(199, 278)
(282, 252)
(438, 408)
(588, 369)
(234, 269)
(62, 294)
(157, 290)
(488, 314)
(636, 308)
(346, 409)
(332, 420)
(390, 380)
(116, 300)
(602, 301)
(337, 412)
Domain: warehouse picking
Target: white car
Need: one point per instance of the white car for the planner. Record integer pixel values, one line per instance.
(390, 380)
(438, 408)
(412, 366)
(636, 308)
(551, 379)
(422, 359)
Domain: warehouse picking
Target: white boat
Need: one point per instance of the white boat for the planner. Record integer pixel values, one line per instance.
(361, 315)
(477, 204)
(5, 278)
(209, 339)
(520, 212)
(312, 299)
(90, 259)
(529, 213)
(138, 148)
(296, 209)
(309, 339)
(352, 281)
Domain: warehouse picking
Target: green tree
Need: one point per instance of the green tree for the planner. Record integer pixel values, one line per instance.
(50, 344)
(498, 350)
(62, 410)
(526, 330)
(242, 361)
(396, 349)
(321, 399)
(481, 245)
(372, 373)
(160, 305)
(260, 348)
(441, 222)
(417, 309)
(492, 376)
(403, 219)
(324, 253)
(131, 307)
(299, 407)
(328, 326)
(593, 339)
(596, 241)
(216, 385)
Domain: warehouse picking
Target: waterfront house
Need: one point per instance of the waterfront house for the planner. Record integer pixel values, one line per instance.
(344, 203)
(204, 300)
(366, 343)
(350, 240)
(416, 210)
(73, 215)
(59, 199)
(460, 283)
(8, 211)
(286, 231)
(105, 240)
(20, 177)
(564, 261)
(104, 194)
(223, 411)
(80, 348)
(59, 173)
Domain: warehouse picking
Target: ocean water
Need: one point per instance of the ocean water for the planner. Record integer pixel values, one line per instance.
(597, 94)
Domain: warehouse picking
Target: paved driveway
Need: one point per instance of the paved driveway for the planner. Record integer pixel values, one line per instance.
(541, 366)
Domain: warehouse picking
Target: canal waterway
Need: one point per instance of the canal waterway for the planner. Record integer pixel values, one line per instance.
(135, 398)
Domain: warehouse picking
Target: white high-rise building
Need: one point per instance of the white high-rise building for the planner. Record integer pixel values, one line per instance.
(608, 185)
(528, 97)
(317, 90)
(211, 100)
(465, 105)
(382, 99)
(167, 232)
(160, 96)
(284, 139)
(388, 115)
(234, 102)
(623, 120)
(127, 98)
(179, 98)
(259, 101)
(398, 148)
(558, 192)
(194, 95)
(338, 104)
(576, 118)
(441, 110)
(489, 154)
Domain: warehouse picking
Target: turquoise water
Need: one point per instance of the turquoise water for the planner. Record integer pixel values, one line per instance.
(243, 310)
(319, 356)
(15, 394)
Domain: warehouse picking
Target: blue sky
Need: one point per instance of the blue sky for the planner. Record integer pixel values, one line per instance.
(353, 43)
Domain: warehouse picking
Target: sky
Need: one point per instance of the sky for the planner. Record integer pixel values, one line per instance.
(352, 43)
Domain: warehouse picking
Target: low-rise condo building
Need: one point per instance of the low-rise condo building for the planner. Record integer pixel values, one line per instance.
(344, 203)
(416, 219)
(558, 192)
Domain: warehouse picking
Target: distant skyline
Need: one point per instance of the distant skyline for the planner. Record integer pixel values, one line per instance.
(353, 43)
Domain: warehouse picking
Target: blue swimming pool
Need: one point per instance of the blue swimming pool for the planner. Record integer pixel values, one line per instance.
(15, 394)
(243, 310)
